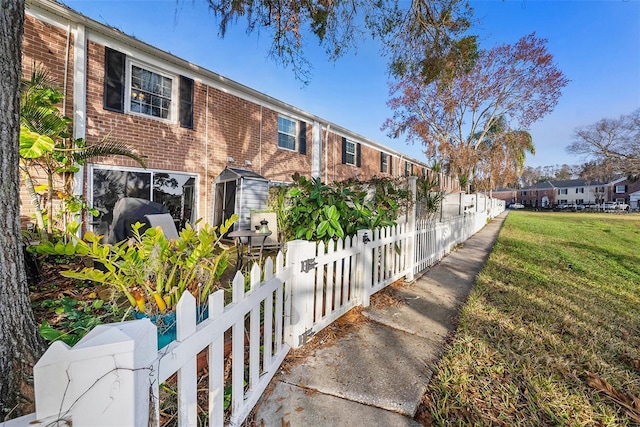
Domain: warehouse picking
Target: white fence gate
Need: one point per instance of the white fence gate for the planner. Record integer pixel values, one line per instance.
(113, 375)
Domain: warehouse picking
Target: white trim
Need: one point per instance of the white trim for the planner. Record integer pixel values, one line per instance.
(296, 136)
(79, 83)
(316, 150)
(45, 16)
(355, 152)
(173, 113)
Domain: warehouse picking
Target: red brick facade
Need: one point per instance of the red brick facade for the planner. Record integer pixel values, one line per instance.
(232, 125)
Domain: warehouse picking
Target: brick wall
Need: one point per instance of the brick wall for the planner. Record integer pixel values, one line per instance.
(225, 126)
(45, 46)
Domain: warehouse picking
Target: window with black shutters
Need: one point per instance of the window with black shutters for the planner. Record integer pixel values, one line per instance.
(351, 153)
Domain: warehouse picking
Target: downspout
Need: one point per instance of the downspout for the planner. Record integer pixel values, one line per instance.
(260, 142)
(206, 158)
(79, 103)
(64, 112)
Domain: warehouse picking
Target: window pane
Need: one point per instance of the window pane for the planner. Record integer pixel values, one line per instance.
(150, 93)
(286, 141)
(176, 192)
(286, 133)
(109, 186)
(350, 149)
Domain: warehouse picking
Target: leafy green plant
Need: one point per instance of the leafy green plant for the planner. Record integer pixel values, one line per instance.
(63, 244)
(75, 318)
(152, 271)
(427, 199)
(317, 211)
(46, 146)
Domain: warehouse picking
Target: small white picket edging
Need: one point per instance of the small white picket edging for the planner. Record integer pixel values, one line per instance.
(112, 376)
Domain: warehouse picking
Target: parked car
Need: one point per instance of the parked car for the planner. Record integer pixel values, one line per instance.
(516, 206)
(615, 206)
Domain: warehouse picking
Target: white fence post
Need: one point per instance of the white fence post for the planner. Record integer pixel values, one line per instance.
(187, 374)
(410, 255)
(365, 265)
(104, 379)
(301, 257)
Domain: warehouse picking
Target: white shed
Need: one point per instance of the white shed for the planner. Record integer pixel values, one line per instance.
(238, 191)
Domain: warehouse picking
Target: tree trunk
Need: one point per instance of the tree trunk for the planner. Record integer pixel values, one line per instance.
(20, 345)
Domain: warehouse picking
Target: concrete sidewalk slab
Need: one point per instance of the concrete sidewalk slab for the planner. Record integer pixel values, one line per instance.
(374, 365)
(377, 373)
(429, 306)
(290, 405)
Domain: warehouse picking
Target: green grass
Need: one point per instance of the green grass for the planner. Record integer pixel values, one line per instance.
(558, 298)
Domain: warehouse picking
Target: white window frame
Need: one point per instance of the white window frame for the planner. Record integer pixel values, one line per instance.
(90, 191)
(563, 191)
(385, 163)
(173, 114)
(350, 153)
(620, 189)
(294, 134)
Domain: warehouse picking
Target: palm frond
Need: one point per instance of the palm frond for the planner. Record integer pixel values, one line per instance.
(107, 147)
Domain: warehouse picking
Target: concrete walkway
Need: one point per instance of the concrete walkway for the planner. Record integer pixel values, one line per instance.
(377, 373)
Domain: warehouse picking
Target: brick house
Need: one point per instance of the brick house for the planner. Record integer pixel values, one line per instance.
(552, 193)
(188, 123)
(621, 191)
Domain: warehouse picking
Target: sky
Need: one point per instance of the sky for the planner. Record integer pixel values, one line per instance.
(596, 44)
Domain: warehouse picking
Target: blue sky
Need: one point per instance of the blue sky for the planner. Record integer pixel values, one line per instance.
(595, 43)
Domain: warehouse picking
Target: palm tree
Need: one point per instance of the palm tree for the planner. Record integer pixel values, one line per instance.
(46, 146)
(502, 155)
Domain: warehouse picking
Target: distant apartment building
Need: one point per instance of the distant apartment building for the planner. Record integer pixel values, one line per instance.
(551, 193)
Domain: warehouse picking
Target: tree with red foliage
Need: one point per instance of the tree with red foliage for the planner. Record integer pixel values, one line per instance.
(472, 120)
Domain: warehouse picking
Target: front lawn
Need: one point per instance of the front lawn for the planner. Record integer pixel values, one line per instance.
(551, 333)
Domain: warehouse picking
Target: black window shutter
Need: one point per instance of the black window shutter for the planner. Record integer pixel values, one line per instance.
(302, 138)
(344, 150)
(114, 71)
(358, 155)
(186, 102)
(390, 162)
(382, 162)
(626, 188)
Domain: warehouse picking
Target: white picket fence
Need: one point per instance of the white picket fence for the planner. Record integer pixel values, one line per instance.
(113, 376)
